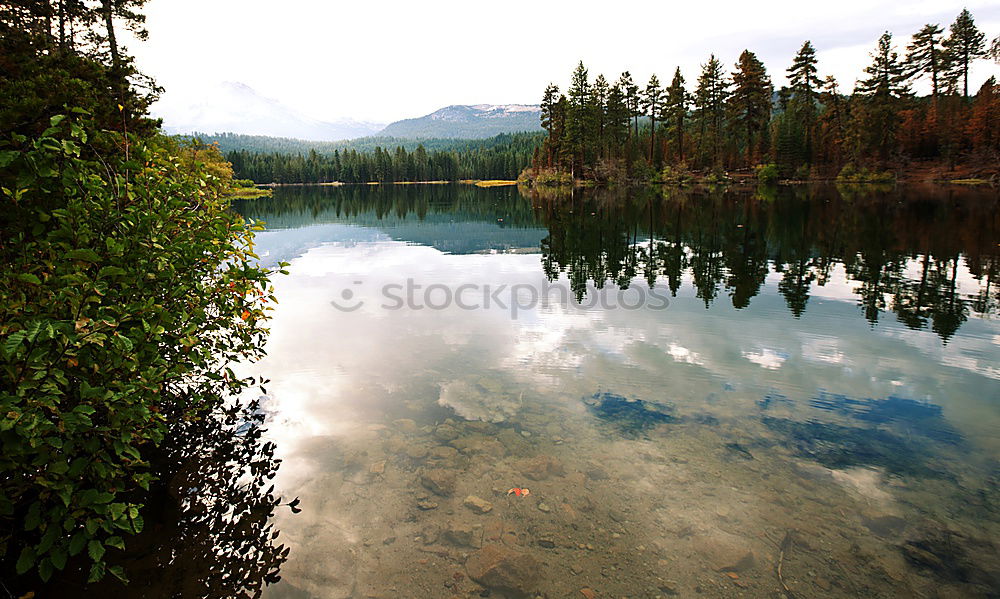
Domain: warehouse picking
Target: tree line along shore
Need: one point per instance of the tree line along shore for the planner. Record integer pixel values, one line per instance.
(738, 123)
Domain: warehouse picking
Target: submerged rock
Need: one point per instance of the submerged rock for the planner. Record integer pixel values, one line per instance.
(497, 567)
(479, 444)
(446, 432)
(439, 481)
(415, 452)
(725, 552)
(463, 535)
(442, 452)
(540, 467)
(477, 504)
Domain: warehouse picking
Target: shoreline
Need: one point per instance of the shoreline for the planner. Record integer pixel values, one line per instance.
(476, 182)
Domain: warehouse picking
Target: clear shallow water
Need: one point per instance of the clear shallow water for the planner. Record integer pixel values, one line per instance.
(811, 382)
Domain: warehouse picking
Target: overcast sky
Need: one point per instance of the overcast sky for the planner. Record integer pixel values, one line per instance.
(382, 61)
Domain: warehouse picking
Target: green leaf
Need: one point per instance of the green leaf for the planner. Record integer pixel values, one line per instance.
(96, 572)
(45, 569)
(118, 573)
(77, 543)
(83, 254)
(111, 271)
(27, 277)
(95, 549)
(13, 340)
(58, 557)
(26, 560)
(34, 517)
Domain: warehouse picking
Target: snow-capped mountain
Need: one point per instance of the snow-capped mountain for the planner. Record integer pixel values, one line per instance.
(235, 107)
(468, 121)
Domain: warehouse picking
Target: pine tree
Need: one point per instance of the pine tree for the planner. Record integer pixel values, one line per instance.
(924, 56)
(598, 109)
(984, 122)
(886, 76)
(710, 102)
(965, 43)
(548, 116)
(631, 91)
(833, 120)
(578, 116)
(882, 89)
(652, 104)
(676, 110)
(750, 102)
(801, 97)
(618, 116)
(802, 75)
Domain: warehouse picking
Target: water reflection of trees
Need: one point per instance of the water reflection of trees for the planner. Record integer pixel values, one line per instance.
(208, 530)
(300, 206)
(903, 249)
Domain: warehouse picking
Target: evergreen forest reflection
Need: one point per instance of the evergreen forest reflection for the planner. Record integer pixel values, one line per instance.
(928, 256)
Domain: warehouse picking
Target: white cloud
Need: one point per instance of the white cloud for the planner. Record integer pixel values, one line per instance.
(766, 358)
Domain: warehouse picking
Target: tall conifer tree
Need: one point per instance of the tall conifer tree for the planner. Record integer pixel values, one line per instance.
(677, 104)
(882, 89)
(631, 91)
(578, 116)
(710, 100)
(925, 57)
(652, 102)
(750, 102)
(965, 43)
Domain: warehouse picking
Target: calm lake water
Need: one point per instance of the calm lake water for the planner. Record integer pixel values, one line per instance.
(741, 393)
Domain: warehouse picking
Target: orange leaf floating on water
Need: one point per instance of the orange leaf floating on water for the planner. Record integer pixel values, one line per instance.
(519, 492)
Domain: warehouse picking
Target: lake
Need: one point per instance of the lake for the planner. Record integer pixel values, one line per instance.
(745, 393)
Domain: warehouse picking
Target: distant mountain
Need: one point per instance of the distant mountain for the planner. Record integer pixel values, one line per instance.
(468, 122)
(237, 108)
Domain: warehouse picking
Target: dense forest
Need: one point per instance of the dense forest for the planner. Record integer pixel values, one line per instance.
(263, 144)
(362, 161)
(127, 286)
(608, 131)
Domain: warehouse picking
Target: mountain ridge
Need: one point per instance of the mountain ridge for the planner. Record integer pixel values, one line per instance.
(468, 121)
(235, 107)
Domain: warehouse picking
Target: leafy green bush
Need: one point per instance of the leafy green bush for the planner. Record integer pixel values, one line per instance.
(127, 287)
(675, 175)
(851, 174)
(767, 173)
(802, 173)
(717, 176)
(545, 176)
(641, 171)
